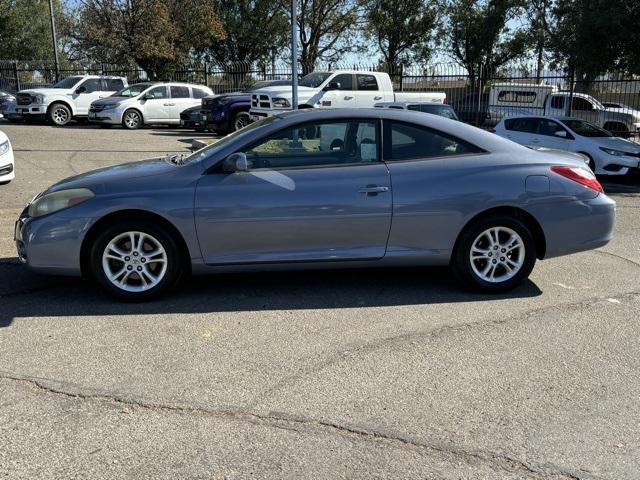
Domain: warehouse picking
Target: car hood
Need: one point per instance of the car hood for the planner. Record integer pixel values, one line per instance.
(3, 137)
(618, 143)
(108, 100)
(44, 91)
(97, 179)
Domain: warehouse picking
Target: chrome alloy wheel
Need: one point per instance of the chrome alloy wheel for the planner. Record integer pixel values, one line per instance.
(60, 115)
(497, 254)
(241, 122)
(132, 119)
(134, 261)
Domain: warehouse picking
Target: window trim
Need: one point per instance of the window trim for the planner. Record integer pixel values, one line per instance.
(482, 151)
(378, 161)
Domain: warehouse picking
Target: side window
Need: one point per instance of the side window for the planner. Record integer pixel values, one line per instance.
(345, 80)
(406, 141)
(548, 127)
(527, 125)
(113, 84)
(317, 144)
(179, 92)
(199, 93)
(367, 82)
(92, 85)
(581, 104)
(516, 96)
(557, 101)
(158, 92)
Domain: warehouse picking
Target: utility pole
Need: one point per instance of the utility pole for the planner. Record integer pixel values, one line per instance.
(294, 56)
(54, 39)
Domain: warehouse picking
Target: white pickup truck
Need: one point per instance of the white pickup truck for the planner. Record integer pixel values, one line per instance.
(338, 89)
(68, 98)
(517, 99)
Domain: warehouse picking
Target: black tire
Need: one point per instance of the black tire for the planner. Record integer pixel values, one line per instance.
(240, 120)
(59, 114)
(132, 119)
(175, 266)
(461, 262)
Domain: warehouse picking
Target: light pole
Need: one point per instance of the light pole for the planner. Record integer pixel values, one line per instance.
(54, 39)
(294, 56)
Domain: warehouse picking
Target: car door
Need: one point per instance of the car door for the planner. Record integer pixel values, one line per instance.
(180, 100)
(86, 93)
(342, 97)
(548, 135)
(155, 104)
(313, 192)
(521, 130)
(368, 93)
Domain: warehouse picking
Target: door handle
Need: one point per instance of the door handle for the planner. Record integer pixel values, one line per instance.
(169, 104)
(373, 190)
(348, 98)
(377, 98)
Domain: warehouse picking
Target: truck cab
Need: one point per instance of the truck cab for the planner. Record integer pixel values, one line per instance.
(67, 99)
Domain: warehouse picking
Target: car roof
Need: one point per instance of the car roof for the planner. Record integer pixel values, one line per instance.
(549, 117)
(178, 84)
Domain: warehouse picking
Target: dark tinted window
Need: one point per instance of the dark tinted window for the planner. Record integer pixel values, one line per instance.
(345, 80)
(91, 85)
(528, 125)
(516, 96)
(199, 93)
(549, 127)
(367, 82)
(435, 109)
(405, 141)
(581, 104)
(113, 84)
(317, 144)
(557, 102)
(179, 92)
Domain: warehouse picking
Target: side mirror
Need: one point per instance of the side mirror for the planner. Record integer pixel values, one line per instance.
(332, 86)
(236, 162)
(561, 134)
(81, 89)
(148, 96)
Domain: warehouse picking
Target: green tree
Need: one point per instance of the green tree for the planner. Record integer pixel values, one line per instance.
(158, 35)
(25, 31)
(402, 29)
(480, 36)
(255, 30)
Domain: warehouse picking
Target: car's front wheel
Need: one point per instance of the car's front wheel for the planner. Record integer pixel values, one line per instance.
(240, 120)
(494, 254)
(132, 119)
(59, 114)
(136, 261)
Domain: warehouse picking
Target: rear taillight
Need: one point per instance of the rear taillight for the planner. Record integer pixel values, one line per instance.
(580, 175)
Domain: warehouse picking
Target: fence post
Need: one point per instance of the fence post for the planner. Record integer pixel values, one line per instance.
(17, 75)
(206, 74)
(401, 83)
(572, 81)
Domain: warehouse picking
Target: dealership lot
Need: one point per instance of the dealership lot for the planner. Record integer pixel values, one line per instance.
(356, 374)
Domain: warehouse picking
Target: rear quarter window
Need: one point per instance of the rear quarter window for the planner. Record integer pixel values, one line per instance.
(528, 125)
(113, 84)
(367, 82)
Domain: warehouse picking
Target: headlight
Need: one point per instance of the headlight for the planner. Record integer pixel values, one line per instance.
(52, 202)
(110, 106)
(4, 147)
(281, 103)
(615, 153)
(37, 98)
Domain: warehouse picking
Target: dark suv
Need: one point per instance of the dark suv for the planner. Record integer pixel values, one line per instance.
(230, 111)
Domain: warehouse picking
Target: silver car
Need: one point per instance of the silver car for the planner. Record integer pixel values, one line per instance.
(321, 189)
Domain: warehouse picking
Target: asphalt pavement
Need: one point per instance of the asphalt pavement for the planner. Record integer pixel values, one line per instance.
(324, 375)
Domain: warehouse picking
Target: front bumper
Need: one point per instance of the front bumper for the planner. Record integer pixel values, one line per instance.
(112, 117)
(256, 114)
(33, 109)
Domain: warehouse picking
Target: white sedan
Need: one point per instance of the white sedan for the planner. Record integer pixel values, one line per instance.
(7, 172)
(608, 155)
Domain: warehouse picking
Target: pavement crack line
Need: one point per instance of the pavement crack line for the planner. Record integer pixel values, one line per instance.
(308, 425)
(620, 257)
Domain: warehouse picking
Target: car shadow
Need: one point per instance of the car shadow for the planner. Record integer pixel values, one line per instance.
(627, 184)
(24, 294)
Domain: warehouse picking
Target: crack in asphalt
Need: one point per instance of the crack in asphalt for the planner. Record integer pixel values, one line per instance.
(289, 422)
(615, 255)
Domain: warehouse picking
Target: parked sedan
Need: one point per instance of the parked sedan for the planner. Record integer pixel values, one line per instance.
(5, 99)
(607, 154)
(321, 189)
(7, 172)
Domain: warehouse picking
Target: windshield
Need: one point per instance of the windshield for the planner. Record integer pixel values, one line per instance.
(314, 80)
(585, 129)
(67, 82)
(223, 142)
(133, 90)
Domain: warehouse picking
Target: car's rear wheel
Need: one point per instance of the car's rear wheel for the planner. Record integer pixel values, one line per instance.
(59, 114)
(240, 120)
(494, 254)
(135, 261)
(132, 119)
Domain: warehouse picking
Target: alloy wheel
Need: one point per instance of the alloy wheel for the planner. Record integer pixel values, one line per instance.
(497, 254)
(241, 122)
(134, 261)
(132, 120)
(60, 115)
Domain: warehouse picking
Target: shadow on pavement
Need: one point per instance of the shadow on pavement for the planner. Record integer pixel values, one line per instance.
(621, 185)
(26, 294)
